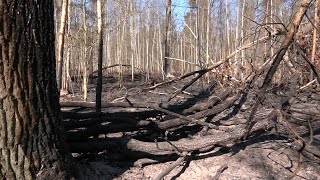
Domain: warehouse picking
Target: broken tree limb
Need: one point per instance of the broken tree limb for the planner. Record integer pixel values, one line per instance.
(115, 65)
(283, 49)
(211, 102)
(165, 148)
(173, 80)
(97, 129)
(187, 85)
(172, 123)
(218, 108)
(310, 63)
(215, 65)
(124, 104)
(139, 105)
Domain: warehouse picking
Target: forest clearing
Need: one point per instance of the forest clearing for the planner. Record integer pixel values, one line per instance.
(160, 89)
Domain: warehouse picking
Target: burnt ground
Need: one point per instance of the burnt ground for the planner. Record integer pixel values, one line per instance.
(288, 147)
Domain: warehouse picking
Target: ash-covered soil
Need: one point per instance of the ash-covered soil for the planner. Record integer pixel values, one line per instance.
(290, 149)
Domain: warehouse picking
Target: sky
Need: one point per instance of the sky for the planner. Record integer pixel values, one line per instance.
(179, 9)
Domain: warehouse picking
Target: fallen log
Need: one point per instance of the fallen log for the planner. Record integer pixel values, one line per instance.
(141, 114)
(172, 123)
(97, 129)
(125, 104)
(86, 122)
(165, 148)
(153, 106)
(77, 115)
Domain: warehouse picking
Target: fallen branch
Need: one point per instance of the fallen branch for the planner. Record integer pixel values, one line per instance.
(285, 45)
(200, 115)
(128, 104)
(115, 65)
(219, 172)
(97, 129)
(211, 102)
(312, 66)
(172, 166)
(215, 65)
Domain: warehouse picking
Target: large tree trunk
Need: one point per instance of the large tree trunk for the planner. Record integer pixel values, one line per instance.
(31, 142)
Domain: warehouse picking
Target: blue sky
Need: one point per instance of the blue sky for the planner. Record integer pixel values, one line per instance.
(179, 8)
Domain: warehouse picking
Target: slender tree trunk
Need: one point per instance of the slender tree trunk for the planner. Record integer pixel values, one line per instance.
(198, 39)
(67, 81)
(267, 17)
(147, 47)
(316, 24)
(85, 59)
(167, 41)
(272, 26)
(132, 42)
(237, 39)
(62, 31)
(208, 31)
(31, 139)
(100, 55)
(243, 52)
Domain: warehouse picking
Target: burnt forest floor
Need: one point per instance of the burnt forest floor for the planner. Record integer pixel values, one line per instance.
(288, 145)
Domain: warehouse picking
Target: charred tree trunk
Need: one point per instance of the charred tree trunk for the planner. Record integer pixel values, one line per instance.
(31, 140)
(167, 42)
(100, 53)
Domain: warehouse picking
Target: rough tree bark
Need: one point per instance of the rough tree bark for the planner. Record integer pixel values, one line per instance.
(31, 140)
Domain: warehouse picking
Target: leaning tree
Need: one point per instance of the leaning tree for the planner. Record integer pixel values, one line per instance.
(31, 140)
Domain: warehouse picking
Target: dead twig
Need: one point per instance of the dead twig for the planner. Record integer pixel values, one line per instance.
(172, 166)
(219, 172)
(187, 85)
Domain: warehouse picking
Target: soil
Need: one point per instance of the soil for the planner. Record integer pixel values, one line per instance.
(270, 155)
